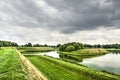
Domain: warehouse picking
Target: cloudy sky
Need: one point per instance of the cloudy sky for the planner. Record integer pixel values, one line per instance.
(60, 21)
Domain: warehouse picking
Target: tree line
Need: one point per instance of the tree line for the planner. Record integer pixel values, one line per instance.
(8, 44)
(76, 46)
(117, 46)
(72, 45)
(36, 45)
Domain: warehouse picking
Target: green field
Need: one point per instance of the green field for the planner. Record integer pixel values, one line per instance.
(113, 50)
(56, 69)
(79, 55)
(34, 49)
(87, 52)
(10, 65)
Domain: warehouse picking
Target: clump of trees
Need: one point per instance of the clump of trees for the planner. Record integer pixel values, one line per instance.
(68, 47)
(36, 45)
(8, 44)
(102, 46)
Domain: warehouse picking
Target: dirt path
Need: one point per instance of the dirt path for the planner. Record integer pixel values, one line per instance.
(31, 70)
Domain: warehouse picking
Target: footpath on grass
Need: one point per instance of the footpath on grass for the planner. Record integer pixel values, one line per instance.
(31, 70)
(10, 65)
(56, 69)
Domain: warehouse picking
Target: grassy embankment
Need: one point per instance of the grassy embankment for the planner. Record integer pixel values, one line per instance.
(82, 53)
(113, 50)
(86, 52)
(34, 49)
(10, 65)
(56, 69)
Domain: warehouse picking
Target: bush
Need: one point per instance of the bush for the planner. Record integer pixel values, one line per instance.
(70, 48)
(75, 46)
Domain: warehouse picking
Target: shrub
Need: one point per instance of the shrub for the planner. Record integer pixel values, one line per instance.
(76, 46)
(70, 48)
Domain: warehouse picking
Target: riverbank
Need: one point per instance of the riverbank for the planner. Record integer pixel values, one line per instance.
(31, 70)
(113, 50)
(67, 71)
(35, 49)
(79, 55)
(11, 66)
(86, 52)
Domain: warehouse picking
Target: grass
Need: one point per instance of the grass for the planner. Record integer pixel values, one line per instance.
(10, 65)
(113, 50)
(35, 49)
(56, 69)
(79, 55)
(87, 52)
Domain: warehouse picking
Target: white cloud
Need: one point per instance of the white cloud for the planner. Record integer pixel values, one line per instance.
(54, 21)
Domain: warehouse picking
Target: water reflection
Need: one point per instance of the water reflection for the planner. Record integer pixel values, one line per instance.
(52, 54)
(115, 51)
(70, 58)
(109, 62)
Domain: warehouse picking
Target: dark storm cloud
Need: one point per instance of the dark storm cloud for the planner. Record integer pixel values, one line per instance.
(23, 12)
(87, 14)
(65, 16)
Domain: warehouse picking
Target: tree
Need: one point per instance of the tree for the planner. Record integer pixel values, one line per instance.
(70, 48)
(62, 48)
(58, 45)
(8, 44)
(28, 45)
(76, 46)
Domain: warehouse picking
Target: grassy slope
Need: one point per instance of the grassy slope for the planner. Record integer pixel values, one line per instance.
(59, 70)
(10, 65)
(34, 49)
(87, 52)
(113, 49)
(82, 53)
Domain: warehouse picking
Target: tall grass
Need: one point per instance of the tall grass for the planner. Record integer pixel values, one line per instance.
(56, 69)
(87, 52)
(79, 55)
(10, 65)
(35, 49)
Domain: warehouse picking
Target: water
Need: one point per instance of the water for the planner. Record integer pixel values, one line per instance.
(51, 54)
(109, 62)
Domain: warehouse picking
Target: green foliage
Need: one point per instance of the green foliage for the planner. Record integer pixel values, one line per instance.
(8, 44)
(70, 48)
(35, 49)
(35, 45)
(28, 45)
(67, 71)
(10, 65)
(87, 52)
(76, 46)
(117, 46)
(79, 55)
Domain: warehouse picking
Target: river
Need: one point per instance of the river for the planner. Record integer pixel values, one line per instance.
(108, 62)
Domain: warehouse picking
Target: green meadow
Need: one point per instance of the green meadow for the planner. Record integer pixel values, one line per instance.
(11, 66)
(35, 49)
(56, 69)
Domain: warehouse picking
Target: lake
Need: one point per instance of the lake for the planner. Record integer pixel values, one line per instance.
(108, 62)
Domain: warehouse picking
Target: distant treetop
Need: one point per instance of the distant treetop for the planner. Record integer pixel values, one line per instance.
(8, 44)
(73, 46)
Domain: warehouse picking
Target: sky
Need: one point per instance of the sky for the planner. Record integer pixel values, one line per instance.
(60, 21)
